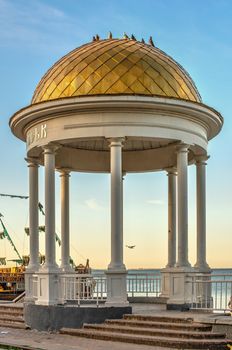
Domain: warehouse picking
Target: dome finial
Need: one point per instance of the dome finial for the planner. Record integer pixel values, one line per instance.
(110, 36)
(151, 41)
(125, 36)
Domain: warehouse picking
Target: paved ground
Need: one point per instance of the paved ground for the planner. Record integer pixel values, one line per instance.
(46, 341)
(158, 309)
(49, 341)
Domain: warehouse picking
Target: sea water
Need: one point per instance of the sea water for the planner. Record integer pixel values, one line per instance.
(221, 292)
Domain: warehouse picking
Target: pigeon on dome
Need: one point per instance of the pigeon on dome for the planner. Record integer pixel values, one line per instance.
(110, 36)
(94, 38)
(142, 41)
(125, 36)
(133, 37)
(151, 41)
(97, 37)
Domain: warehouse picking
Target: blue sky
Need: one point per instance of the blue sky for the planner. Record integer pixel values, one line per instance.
(34, 34)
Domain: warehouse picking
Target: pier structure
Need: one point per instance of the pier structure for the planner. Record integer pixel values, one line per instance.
(116, 106)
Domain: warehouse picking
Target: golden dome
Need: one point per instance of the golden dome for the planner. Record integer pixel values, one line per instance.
(116, 66)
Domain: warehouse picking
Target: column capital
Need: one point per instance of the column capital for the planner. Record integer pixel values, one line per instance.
(116, 141)
(182, 148)
(50, 148)
(171, 171)
(64, 171)
(201, 159)
(32, 161)
(123, 175)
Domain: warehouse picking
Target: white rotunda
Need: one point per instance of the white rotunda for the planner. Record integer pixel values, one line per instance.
(116, 106)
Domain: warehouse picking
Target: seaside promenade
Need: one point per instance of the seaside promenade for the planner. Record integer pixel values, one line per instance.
(31, 339)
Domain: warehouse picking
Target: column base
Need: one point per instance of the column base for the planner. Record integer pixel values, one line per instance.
(49, 268)
(178, 288)
(185, 265)
(30, 293)
(202, 267)
(165, 281)
(116, 287)
(66, 269)
(48, 285)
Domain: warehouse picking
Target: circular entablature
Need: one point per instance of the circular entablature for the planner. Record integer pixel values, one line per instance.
(150, 126)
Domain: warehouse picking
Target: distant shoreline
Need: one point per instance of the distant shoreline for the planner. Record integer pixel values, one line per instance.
(141, 269)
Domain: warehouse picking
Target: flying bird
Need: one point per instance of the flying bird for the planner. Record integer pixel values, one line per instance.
(130, 246)
(151, 41)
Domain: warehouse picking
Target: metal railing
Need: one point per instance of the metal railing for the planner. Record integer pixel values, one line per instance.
(85, 288)
(143, 284)
(100, 289)
(93, 288)
(82, 288)
(211, 291)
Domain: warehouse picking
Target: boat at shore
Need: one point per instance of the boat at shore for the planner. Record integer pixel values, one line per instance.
(11, 282)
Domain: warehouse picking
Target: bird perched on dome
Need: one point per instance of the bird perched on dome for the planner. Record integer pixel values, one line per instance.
(151, 41)
(94, 39)
(125, 36)
(110, 36)
(97, 37)
(142, 41)
(133, 37)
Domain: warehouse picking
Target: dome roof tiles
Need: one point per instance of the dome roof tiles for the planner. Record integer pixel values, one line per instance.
(116, 66)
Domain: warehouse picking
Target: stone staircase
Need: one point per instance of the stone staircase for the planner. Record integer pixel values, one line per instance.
(11, 316)
(162, 331)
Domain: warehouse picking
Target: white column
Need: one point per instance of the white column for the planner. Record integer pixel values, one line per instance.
(201, 263)
(48, 286)
(182, 179)
(116, 272)
(171, 217)
(50, 239)
(33, 266)
(33, 215)
(65, 234)
(116, 205)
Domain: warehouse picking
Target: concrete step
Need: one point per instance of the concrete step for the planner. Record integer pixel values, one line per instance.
(155, 332)
(9, 318)
(169, 319)
(11, 310)
(7, 324)
(163, 325)
(178, 343)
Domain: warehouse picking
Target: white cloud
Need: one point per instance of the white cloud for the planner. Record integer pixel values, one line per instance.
(34, 24)
(155, 201)
(93, 204)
